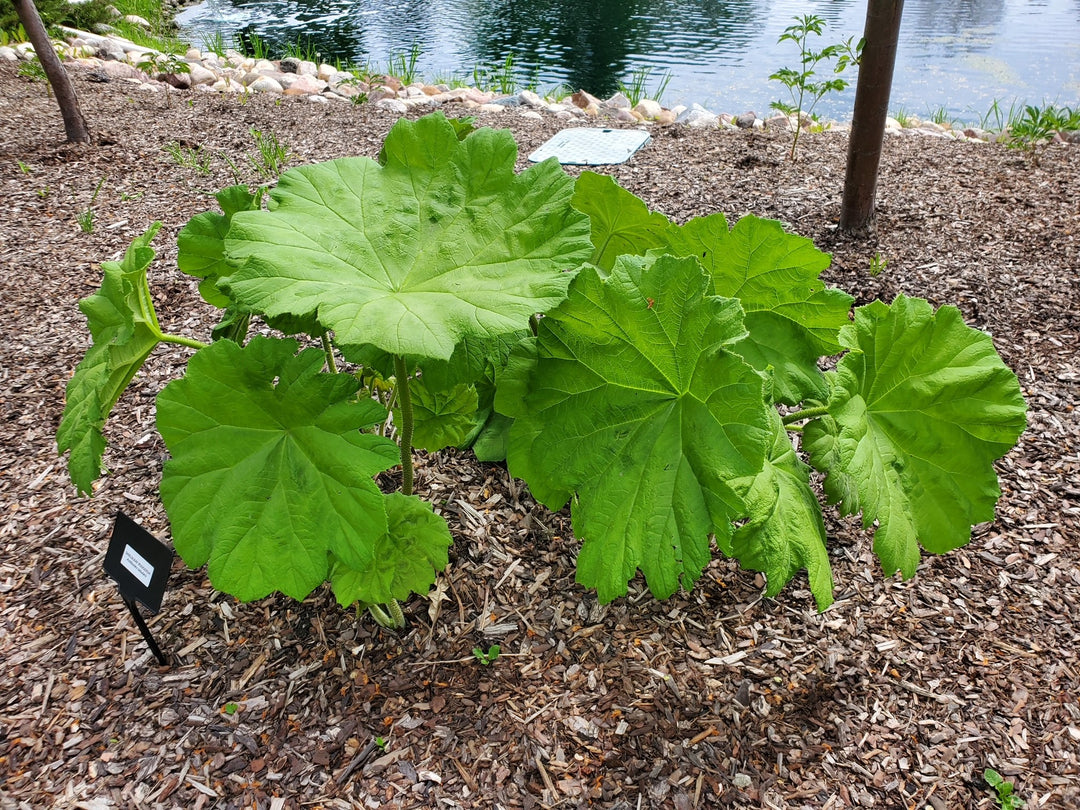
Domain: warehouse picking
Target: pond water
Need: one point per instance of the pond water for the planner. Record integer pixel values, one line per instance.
(958, 57)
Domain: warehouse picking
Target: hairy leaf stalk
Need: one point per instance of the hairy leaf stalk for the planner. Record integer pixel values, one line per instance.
(805, 413)
(405, 429)
(328, 350)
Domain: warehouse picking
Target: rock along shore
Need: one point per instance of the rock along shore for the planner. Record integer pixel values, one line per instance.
(113, 58)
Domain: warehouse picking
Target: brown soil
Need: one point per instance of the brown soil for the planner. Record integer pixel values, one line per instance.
(897, 697)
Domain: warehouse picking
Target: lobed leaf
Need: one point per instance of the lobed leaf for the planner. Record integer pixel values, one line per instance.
(620, 222)
(438, 242)
(270, 473)
(125, 329)
(441, 418)
(201, 243)
(792, 317)
(785, 531)
(405, 560)
(921, 407)
(631, 402)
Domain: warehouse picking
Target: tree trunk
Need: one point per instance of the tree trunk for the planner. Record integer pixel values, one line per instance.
(871, 109)
(74, 123)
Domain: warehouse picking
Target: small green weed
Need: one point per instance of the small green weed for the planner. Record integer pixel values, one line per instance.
(156, 65)
(44, 192)
(1036, 125)
(195, 157)
(23, 167)
(1006, 799)
(486, 657)
(32, 70)
(12, 37)
(637, 89)
(230, 708)
(902, 117)
(86, 217)
(381, 743)
(272, 154)
(877, 265)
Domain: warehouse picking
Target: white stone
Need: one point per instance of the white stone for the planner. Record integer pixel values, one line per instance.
(25, 51)
(648, 109)
(532, 114)
(265, 66)
(227, 85)
(394, 105)
(318, 98)
(619, 102)
(531, 99)
(193, 55)
(135, 19)
(306, 68)
(339, 76)
(200, 75)
(264, 84)
(325, 71)
(698, 117)
(9, 54)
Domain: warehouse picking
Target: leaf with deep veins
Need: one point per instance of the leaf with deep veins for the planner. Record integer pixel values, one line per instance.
(791, 316)
(921, 407)
(406, 560)
(634, 404)
(125, 330)
(270, 473)
(441, 418)
(785, 531)
(440, 242)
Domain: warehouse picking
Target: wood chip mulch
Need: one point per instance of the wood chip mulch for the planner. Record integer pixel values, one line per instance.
(897, 697)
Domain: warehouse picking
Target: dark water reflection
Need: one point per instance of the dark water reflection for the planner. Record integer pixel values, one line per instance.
(960, 55)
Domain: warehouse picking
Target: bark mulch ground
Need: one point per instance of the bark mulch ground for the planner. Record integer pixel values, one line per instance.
(896, 697)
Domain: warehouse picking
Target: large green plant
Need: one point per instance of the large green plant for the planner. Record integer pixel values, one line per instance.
(646, 396)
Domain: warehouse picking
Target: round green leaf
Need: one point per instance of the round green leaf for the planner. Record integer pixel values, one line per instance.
(920, 409)
(439, 241)
(269, 471)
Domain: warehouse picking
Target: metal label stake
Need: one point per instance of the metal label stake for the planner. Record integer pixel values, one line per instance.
(139, 563)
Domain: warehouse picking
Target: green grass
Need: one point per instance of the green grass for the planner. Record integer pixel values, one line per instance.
(403, 65)
(496, 79)
(195, 158)
(637, 89)
(270, 156)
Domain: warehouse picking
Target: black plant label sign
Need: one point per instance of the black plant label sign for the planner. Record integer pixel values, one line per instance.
(138, 562)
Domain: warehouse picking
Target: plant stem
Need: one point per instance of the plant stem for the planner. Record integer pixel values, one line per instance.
(182, 341)
(328, 350)
(405, 429)
(806, 413)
